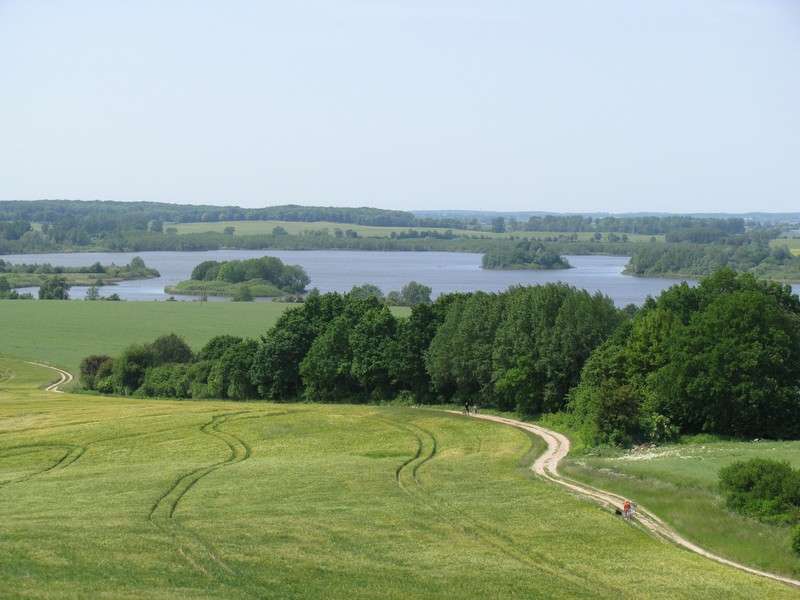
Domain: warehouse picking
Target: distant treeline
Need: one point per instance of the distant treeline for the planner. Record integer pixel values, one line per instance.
(692, 260)
(521, 349)
(660, 225)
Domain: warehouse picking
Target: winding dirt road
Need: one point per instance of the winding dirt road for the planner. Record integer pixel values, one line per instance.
(65, 377)
(547, 466)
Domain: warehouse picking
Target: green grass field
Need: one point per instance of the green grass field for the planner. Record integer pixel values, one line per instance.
(124, 498)
(296, 227)
(679, 483)
(62, 333)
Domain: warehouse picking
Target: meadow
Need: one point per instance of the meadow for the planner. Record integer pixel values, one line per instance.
(679, 482)
(135, 498)
(299, 227)
(62, 333)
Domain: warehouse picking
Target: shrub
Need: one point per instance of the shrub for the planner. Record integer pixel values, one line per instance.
(216, 347)
(170, 381)
(796, 540)
(762, 488)
(89, 368)
(171, 349)
(130, 368)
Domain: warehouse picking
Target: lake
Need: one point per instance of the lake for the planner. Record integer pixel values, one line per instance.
(332, 270)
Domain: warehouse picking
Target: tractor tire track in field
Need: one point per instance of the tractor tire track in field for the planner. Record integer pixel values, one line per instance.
(426, 451)
(191, 547)
(546, 466)
(73, 453)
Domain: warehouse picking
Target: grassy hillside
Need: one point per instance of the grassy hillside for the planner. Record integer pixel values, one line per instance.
(679, 483)
(155, 499)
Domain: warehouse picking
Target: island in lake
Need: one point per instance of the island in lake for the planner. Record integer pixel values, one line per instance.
(525, 254)
(250, 278)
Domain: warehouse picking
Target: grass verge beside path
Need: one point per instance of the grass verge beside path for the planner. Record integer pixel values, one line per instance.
(121, 497)
(678, 482)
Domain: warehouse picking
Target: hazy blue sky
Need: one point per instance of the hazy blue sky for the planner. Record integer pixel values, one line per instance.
(558, 105)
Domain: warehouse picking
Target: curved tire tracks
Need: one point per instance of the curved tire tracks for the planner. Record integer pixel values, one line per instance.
(546, 466)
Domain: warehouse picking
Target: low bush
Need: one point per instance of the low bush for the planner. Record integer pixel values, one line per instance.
(766, 489)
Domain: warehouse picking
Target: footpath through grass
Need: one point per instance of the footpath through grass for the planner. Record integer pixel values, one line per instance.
(679, 483)
(117, 497)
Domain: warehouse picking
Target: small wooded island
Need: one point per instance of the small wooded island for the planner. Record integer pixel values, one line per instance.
(525, 254)
(32, 275)
(251, 278)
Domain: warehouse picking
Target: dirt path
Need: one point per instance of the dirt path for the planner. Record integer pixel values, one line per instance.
(65, 377)
(547, 466)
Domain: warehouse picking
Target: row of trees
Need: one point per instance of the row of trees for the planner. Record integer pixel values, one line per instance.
(702, 259)
(521, 349)
(722, 357)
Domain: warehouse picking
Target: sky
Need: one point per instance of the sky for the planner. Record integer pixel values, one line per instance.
(568, 106)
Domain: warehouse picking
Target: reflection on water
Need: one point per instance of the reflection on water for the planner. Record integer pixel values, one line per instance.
(332, 270)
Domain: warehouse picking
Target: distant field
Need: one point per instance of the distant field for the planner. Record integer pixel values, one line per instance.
(792, 243)
(296, 227)
(679, 483)
(127, 498)
(62, 333)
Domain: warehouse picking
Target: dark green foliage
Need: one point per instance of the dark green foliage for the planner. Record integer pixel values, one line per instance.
(166, 381)
(762, 488)
(411, 294)
(171, 349)
(366, 290)
(229, 377)
(522, 255)
(130, 368)
(89, 369)
(268, 268)
(54, 288)
(216, 347)
(723, 357)
(796, 540)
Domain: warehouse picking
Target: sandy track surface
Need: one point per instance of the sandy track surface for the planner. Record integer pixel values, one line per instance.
(65, 377)
(547, 466)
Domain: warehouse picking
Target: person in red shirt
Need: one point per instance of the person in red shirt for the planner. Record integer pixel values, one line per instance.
(626, 509)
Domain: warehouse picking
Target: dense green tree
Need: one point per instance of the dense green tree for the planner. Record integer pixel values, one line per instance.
(229, 376)
(89, 367)
(54, 288)
(130, 368)
(373, 346)
(171, 348)
(216, 347)
(723, 357)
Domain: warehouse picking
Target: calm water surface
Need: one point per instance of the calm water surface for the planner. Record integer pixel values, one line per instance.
(332, 270)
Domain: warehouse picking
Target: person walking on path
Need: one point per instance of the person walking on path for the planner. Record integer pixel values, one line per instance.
(626, 509)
